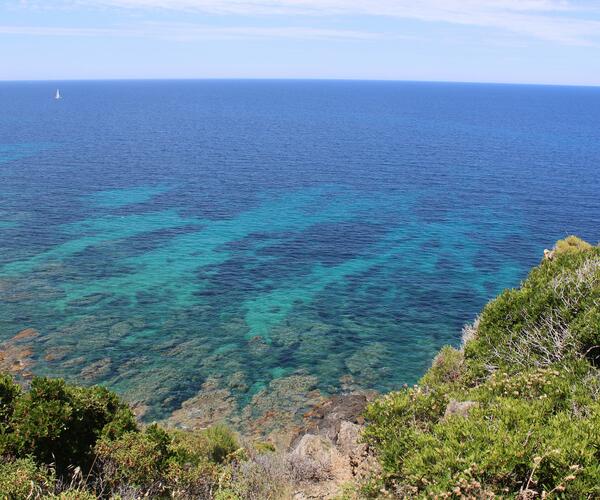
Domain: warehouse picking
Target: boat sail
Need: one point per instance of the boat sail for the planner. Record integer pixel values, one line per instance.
(57, 96)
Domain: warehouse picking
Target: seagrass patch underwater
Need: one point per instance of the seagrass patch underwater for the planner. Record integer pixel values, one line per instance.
(170, 237)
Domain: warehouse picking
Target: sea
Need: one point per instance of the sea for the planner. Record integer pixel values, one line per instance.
(165, 238)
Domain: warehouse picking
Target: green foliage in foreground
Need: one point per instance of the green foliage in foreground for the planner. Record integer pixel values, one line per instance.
(57, 423)
(63, 441)
(22, 478)
(529, 370)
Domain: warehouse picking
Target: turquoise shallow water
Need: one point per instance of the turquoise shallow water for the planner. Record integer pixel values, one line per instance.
(161, 234)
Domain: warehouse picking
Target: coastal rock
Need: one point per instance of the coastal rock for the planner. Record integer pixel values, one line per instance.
(28, 333)
(348, 439)
(16, 354)
(119, 330)
(368, 363)
(237, 381)
(16, 359)
(319, 467)
(56, 354)
(96, 370)
(70, 363)
(322, 467)
(178, 348)
(29, 291)
(330, 442)
(278, 408)
(284, 336)
(326, 418)
(257, 346)
(137, 322)
(139, 409)
(211, 405)
(316, 448)
(348, 384)
(459, 408)
(89, 300)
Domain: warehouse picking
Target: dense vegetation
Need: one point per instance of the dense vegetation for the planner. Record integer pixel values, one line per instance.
(74, 442)
(516, 411)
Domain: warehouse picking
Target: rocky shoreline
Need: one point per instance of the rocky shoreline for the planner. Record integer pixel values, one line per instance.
(277, 408)
(331, 437)
(303, 425)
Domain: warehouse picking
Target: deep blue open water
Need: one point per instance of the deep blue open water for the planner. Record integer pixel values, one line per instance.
(247, 231)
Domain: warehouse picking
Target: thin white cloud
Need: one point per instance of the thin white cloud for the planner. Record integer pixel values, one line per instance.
(552, 20)
(562, 21)
(188, 32)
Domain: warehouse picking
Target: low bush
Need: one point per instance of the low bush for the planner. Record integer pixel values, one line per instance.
(571, 244)
(63, 441)
(23, 478)
(447, 368)
(59, 424)
(9, 394)
(136, 459)
(497, 446)
(219, 443)
(262, 477)
(528, 370)
(553, 317)
(158, 463)
(396, 418)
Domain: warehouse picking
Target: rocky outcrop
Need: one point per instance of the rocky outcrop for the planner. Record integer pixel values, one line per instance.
(209, 406)
(16, 354)
(325, 419)
(280, 405)
(331, 443)
(96, 369)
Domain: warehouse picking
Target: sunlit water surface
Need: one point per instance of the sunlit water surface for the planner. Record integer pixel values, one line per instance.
(165, 233)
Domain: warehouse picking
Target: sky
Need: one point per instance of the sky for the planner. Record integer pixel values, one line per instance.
(504, 41)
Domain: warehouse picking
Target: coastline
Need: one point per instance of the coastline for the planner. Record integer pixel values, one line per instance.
(513, 411)
(277, 413)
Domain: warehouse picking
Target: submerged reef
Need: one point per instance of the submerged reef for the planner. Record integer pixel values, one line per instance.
(16, 353)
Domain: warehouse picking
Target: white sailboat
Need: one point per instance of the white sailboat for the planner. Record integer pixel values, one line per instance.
(57, 96)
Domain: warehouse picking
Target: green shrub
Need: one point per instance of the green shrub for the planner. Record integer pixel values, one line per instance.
(227, 494)
(9, 393)
(221, 442)
(74, 494)
(396, 418)
(498, 446)
(571, 244)
(553, 317)
(519, 417)
(60, 424)
(193, 480)
(529, 365)
(90, 433)
(136, 459)
(22, 478)
(447, 368)
(264, 447)
(216, 444)
(159, 463)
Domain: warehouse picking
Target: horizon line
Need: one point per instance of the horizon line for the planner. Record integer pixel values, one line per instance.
(305, 79)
